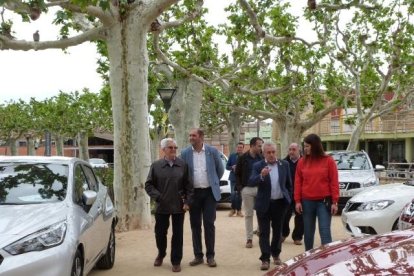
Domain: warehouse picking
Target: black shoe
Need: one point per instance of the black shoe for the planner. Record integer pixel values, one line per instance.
(196, 261)
(211, 262)
(176, 268)
(158, 261)
(265, 265)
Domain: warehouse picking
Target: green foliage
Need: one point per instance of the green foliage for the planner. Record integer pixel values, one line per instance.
(106, 175)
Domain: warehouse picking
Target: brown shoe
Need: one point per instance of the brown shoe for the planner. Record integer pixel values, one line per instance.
(158, 261)
(239, 214)
(265, 265)
(196, 261)
(249, 244)
(277, 261)
(297, 242)
(232, 212)
(176, 268)
(211, 262)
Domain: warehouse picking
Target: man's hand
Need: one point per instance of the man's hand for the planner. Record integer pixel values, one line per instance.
(298, 208)
(265, 171)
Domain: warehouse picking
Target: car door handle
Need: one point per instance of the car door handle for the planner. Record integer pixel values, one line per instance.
(99, 209)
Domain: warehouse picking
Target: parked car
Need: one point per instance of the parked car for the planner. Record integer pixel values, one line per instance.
(406, 220)
(225, 188)
(377, 210)
(56, 218)
(386, 254)
(355, 172)
(98, 163)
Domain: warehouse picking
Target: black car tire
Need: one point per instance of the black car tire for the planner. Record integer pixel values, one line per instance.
(108, 259)
(77, 264)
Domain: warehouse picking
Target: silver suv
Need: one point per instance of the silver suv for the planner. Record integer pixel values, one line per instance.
(356, 173)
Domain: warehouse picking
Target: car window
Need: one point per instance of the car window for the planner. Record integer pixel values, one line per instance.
(93, 183)
(81, 184)
(351, 161)
(30, 183)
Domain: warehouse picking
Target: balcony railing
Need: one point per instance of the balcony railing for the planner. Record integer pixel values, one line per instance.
(336, 125)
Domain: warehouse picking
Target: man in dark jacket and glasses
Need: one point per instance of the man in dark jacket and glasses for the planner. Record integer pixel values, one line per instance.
(169, 183)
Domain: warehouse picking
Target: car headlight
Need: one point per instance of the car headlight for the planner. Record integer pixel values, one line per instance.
(45, 238)
(375, 205)
(370, 182)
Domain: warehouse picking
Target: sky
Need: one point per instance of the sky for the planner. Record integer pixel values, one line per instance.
(42, 74)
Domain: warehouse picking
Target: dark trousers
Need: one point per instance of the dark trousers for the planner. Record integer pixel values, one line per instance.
(235, 197)
(274, 218)
(162, 223)
(203, 210)
(297, 233)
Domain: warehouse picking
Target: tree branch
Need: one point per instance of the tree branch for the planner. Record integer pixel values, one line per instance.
(261, 33)
(336, 7)
(23, 45)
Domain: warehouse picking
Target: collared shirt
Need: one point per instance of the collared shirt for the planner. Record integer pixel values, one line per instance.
(170, 162)
(276, 192)
(200, 169)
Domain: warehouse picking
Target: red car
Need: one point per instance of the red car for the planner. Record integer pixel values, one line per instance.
(387, 254)
(406, 220)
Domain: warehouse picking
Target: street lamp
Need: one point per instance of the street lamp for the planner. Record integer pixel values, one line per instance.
(166, 95)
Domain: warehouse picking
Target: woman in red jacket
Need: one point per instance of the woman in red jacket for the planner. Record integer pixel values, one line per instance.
(316, 190)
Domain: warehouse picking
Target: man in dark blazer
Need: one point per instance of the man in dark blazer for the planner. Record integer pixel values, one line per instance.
(272, 177)
(206, 169)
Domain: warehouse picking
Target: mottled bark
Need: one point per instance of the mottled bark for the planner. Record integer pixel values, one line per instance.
(184, 113)
(127, 50)
(233, 127)
(82, 140)
(30, 142)
(13, 146)
(59, 145)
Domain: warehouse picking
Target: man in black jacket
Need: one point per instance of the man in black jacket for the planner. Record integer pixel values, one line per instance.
(243, 171)
(297, 234)
(169, 183)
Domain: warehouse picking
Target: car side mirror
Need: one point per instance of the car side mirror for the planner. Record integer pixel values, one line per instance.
(89, 197)
(379, 168)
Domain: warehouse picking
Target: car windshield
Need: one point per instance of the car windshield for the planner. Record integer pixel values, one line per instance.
(96, 161)
(31, 183)
(351, 160)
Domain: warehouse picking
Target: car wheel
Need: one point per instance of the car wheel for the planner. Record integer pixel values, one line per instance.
(77, 265)
(107, 261)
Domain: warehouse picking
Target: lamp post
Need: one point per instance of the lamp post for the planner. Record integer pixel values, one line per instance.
(166, 95)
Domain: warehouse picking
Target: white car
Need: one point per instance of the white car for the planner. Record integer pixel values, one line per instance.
(377, 209)
(355, 173)
(98, 163)
(225, 188)
(56, 218)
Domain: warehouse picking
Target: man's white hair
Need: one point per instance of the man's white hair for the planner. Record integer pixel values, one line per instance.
(164, 142)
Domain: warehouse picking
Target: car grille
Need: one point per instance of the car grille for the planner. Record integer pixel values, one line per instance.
(223, 183)
(352, 206)
(349, 185)
(1, 259)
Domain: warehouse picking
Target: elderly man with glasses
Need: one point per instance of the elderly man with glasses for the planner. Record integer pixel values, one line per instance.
(169, 183)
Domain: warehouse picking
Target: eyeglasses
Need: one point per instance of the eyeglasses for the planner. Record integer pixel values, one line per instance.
(171, 148)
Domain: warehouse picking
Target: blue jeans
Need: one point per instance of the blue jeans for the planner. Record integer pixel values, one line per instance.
(311, 210)
(235, 197)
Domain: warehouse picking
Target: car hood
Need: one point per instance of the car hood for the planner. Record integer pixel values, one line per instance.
(387, 191)
(390, 254)
(355, 175)
(17, 221)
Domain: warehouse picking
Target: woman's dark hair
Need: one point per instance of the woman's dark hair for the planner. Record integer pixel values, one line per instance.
(316, 145)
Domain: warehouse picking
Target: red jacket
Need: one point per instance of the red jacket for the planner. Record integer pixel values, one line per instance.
(316, 178)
